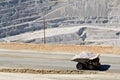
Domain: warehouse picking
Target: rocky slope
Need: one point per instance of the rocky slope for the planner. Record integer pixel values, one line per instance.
(20, 18)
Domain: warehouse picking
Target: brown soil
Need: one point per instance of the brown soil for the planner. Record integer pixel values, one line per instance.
(56, 48)
(61, 48)
(48, 71)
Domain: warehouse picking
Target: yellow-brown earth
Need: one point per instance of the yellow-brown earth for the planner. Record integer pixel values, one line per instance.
(61, 48)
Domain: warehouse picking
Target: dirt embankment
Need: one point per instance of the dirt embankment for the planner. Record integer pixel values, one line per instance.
(48, 71)
(61, 48)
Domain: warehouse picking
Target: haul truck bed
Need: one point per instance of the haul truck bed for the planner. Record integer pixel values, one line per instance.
(87, 60)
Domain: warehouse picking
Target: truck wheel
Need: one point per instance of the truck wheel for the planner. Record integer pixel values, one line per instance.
(91, 67)
(79, 66)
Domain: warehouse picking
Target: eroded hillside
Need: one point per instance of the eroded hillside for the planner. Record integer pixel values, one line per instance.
(22, 21)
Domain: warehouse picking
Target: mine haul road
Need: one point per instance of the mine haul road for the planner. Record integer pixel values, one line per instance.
(26, 59)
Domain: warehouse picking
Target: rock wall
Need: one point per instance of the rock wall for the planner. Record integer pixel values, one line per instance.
(22, 16)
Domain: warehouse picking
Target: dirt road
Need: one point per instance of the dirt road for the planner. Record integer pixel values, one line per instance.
(21, 59)
(100, 76)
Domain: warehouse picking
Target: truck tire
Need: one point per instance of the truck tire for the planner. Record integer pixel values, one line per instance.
(91, 67)
(79, 66)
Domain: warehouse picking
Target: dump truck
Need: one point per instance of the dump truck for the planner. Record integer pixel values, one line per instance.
(87, 60)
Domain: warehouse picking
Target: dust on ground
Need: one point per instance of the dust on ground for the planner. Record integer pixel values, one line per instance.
(33, 71)
(56, 48)
(24, 76)
(61, 48)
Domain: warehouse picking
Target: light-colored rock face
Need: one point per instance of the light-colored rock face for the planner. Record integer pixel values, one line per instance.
(21, 17)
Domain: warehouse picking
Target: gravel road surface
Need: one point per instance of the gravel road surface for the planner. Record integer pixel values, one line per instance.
(18, 76)
(22, 59)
